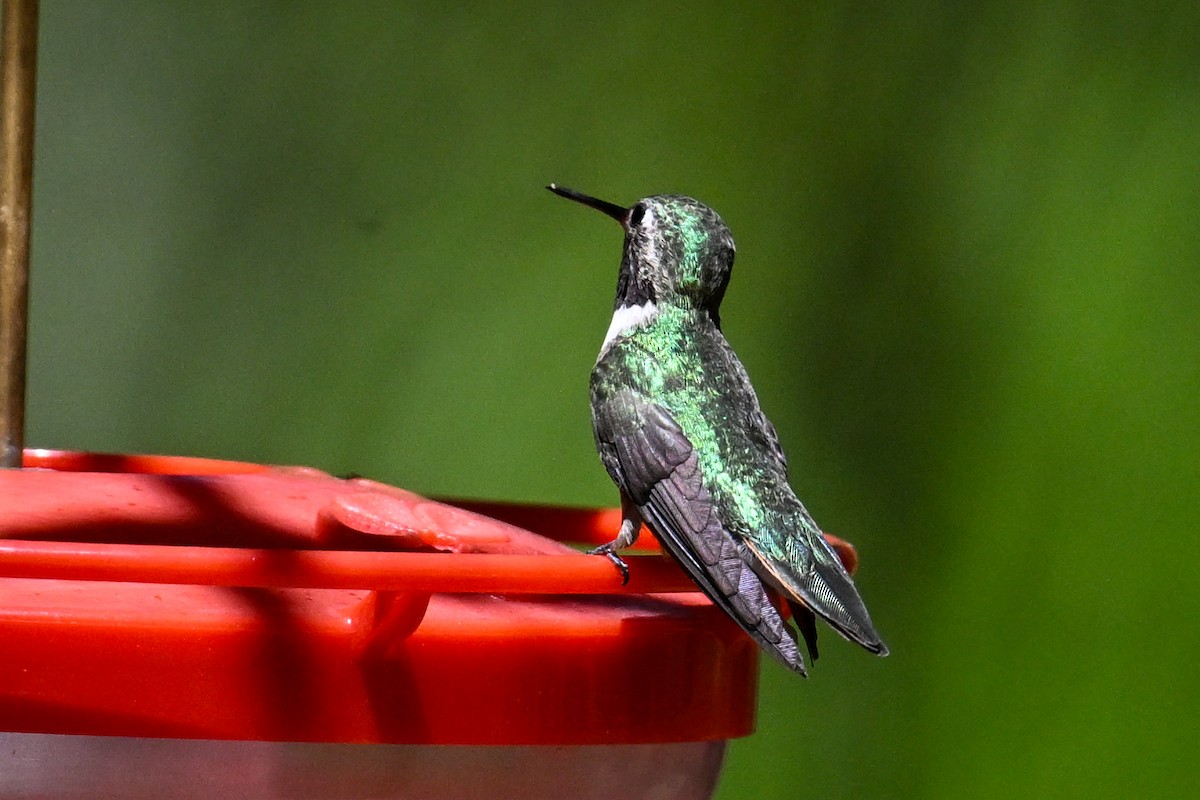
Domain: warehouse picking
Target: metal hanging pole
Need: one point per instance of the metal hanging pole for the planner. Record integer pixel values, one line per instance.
(18, 61)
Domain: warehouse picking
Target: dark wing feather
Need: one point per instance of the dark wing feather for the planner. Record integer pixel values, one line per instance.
(654, 464)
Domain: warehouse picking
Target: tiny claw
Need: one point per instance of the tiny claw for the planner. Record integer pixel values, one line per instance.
(617, 561)
(621, 566)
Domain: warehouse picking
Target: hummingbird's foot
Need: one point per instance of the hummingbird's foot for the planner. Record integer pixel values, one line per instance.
(631, 523)
(607, 550)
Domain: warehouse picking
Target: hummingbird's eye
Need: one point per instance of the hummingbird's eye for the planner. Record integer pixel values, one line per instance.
(635, 215)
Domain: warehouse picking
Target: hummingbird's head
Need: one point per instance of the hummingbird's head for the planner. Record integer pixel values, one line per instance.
(677, 250)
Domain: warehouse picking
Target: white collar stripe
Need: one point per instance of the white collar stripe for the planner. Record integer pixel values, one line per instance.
(626, 318)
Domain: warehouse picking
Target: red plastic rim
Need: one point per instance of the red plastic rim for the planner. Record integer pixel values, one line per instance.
(170, 596)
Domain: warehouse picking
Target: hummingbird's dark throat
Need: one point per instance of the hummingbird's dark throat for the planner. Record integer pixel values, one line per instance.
(632, 291)
(613, 210)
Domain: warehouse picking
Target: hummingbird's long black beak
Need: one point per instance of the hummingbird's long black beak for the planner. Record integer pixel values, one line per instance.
(612, 209)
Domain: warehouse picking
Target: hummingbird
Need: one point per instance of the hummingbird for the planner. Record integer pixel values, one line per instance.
(679, 428)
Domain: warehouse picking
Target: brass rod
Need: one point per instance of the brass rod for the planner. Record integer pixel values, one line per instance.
(18, 61)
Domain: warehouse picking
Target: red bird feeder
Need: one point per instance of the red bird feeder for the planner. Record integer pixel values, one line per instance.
(178, 627)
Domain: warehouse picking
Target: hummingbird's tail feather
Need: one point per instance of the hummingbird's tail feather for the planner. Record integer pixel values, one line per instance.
(810, 575)
(829, 592)
(806, 621)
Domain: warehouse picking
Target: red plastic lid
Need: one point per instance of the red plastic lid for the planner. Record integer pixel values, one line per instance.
(179, 597)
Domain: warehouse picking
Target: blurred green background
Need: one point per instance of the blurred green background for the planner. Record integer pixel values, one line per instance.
(967, 289)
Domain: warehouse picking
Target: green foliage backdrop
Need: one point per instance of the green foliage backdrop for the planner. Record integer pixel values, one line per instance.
(967, 289)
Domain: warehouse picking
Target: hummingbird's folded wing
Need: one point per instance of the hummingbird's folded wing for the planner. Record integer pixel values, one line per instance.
(655, 465)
